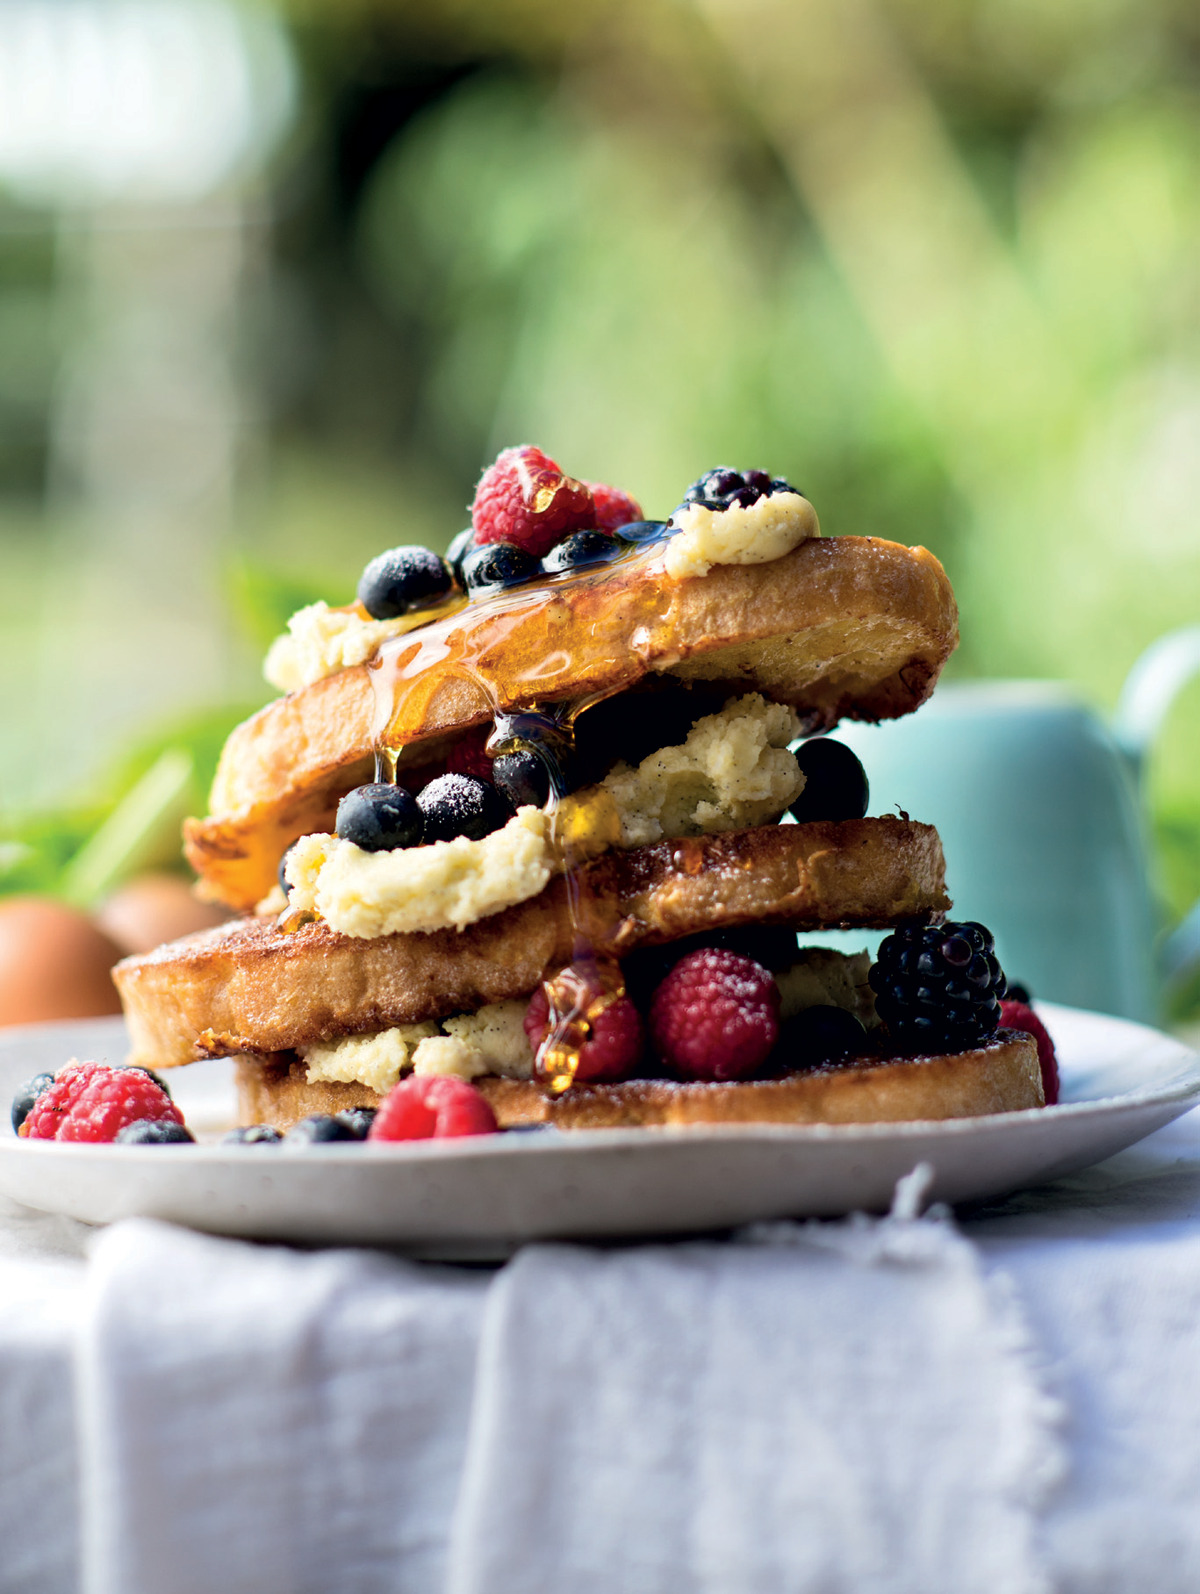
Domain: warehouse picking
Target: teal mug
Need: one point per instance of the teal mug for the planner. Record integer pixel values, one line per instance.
(1039, 808)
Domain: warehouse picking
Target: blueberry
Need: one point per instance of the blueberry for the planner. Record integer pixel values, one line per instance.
(379, 817)
(317, 1130)
(252, 1135)
(281, 872)
(458, 551)
(821, 1035)
(358, 1120)
(403, 579)
(719, 488)
(523, 778)
(461, 805)
(157, 1078)
(582, 548)
(1019, 993)
(835, 784)
(154, 1132)
(496, 565)
(641, 531)
(24, 1099)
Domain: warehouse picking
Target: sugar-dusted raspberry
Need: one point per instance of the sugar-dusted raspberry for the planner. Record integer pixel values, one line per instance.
(615, 1038)
(525, 499)
(467, 756)
(432, 1107)
(716, 1015)
(92, 1102)
(614, 508)
(1019, 1015)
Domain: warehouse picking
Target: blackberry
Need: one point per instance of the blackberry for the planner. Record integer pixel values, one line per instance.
(722, 487)
(835, 783)
(461, 805)
(380, 817)
(582, 548)
(403, 579)
(496, 565)
(938, 987)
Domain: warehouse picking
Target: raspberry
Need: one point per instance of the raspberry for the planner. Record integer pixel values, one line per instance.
(525, 499)
(467, 756)
(432, 1106)
(614, 1043)
(1019, 1015)
(716, 1015)
(92, 1102)
(614, 508)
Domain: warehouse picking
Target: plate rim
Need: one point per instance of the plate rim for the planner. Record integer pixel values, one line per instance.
(1173, 1092)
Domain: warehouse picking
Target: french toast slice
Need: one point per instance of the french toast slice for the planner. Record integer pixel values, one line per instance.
(248, 987)
(845, 627)
(1002, 1075)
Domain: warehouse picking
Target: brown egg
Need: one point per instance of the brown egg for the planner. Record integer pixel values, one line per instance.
(54, 963)
(153, 908)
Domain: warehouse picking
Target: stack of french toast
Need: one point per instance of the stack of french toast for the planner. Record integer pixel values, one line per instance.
(549, 813)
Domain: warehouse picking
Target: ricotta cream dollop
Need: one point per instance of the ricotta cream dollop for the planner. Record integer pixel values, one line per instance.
(493, 1040)
(766, 530)
(319, 641)
(443, 884)
(733, 770)
(376, 1061)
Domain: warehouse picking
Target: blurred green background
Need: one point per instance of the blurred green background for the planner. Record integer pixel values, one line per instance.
(275, 283)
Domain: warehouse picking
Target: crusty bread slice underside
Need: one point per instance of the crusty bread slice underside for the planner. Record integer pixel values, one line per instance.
(248, 987)
(841, 628)
(1001, 1076)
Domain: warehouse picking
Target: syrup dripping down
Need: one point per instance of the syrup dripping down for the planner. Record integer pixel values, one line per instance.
(578, 994)
(511, 668)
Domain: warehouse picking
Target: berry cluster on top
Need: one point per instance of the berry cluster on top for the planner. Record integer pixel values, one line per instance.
(530, 519)
(723, 488)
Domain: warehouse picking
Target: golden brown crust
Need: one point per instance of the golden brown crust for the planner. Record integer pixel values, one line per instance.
(848, 627)
(247, 987)
(1002, 1076)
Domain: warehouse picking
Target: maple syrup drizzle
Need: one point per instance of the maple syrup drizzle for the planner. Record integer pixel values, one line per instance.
(506, 653)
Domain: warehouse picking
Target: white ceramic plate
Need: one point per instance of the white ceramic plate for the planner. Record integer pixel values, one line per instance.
(481, 1197)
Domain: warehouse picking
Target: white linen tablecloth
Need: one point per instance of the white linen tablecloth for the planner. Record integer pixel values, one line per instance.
(1007, 1404)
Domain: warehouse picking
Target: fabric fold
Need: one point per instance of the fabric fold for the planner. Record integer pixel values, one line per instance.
(832, 1407)
(267, 1420)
